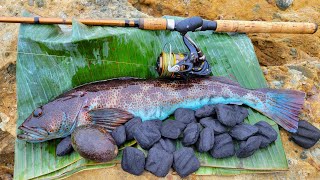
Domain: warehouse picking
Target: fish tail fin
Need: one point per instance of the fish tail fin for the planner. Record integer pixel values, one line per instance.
(284, 107)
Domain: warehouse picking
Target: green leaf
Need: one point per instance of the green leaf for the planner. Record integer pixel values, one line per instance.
(51, 61)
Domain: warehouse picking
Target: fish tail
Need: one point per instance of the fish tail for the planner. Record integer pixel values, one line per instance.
(284, 107)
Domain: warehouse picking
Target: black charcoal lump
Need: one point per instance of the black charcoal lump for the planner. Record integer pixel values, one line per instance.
(133, 161)
(185, 161)
(191, 134)
(223, 146)
(307, 135)
(248, 147)
(266, 132)
(172, 129)
(205, 111)
(159, 162)
(131, 126)
(230, 115)
(185, 116)
(119, 135)
(147, 134)
(165, 144)
(206, 140)
(243, 131)
(64, 147)
(157, 123)
(214, 124)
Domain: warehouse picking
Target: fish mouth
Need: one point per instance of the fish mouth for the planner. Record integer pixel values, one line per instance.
(33, 134)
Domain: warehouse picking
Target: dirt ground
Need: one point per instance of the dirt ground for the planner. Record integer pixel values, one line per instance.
(288, 61)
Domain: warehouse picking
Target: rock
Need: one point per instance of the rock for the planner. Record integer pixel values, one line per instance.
(191, 134)
(185, 162)
(94, 143)
(147, 134)
(64, 147)
(159, 162)
(165, 144)
(284, 4)
(185, 116)
(268, 133)
(243, 131)
(307, 135)
(223, 146)
(205, 111)
(40, 3)
(4, 119)
(119, 135)
(214, 124)
(133, 161)
(172, 129)
(206, 140)
(248, 147)
(130, 127)
(30, 2)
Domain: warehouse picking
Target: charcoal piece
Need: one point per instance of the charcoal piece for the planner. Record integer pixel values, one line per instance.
(227, 114)
(214, 124)
(119, 135)
(157, 122)
(146, 134)
(165, 144)
(242, 113)
(191, 134)
(243, 131)
(206, 140)
(185, 161)
(133, 161)
(159, 162)
(185, 116)
(248, 147)
(64, 147)
(223, 146)
(307, 135)
(205, 111)
(131, 126)
(268, 134)
(172, 129)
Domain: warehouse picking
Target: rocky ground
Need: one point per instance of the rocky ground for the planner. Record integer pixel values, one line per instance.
(288, 61)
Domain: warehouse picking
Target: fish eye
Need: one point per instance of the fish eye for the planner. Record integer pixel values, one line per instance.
(37, 112)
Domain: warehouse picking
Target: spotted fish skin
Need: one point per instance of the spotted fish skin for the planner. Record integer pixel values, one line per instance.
(157, 99)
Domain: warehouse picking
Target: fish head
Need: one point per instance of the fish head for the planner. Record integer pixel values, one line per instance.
(53, 120)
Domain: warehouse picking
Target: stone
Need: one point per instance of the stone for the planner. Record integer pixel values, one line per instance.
(172, 129)
(268, 134)
(119, 135)
(243, 131)
(133, 161)
(165, 144)
(130, 127)
(284, 4)
(147, 134)
(191, 134)
(248, 147)
(213, 124)
(159, 162)
(185, 161)
(223, 146)
(185, 116)
(205, 111)
(206, 140)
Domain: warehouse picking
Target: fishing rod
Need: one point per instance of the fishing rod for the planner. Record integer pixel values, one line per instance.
(192, 63)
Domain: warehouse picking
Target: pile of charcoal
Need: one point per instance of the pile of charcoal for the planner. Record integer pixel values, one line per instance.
(213, 128)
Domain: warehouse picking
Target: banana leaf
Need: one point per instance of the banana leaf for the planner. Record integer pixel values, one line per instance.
(52, 60)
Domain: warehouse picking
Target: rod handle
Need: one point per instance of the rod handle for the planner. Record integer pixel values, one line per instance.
(265, 27)
(153, 23)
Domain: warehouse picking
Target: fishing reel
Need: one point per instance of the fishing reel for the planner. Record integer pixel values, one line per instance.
(188, 64)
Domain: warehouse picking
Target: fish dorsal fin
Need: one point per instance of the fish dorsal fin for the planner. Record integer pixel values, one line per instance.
(225, 80)
(110, 118)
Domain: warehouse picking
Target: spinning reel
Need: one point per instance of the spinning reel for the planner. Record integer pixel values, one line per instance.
(188, 64)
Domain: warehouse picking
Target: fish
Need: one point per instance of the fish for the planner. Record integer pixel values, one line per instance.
(111, 103)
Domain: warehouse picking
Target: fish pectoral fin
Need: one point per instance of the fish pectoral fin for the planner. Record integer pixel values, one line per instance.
(110, 118)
